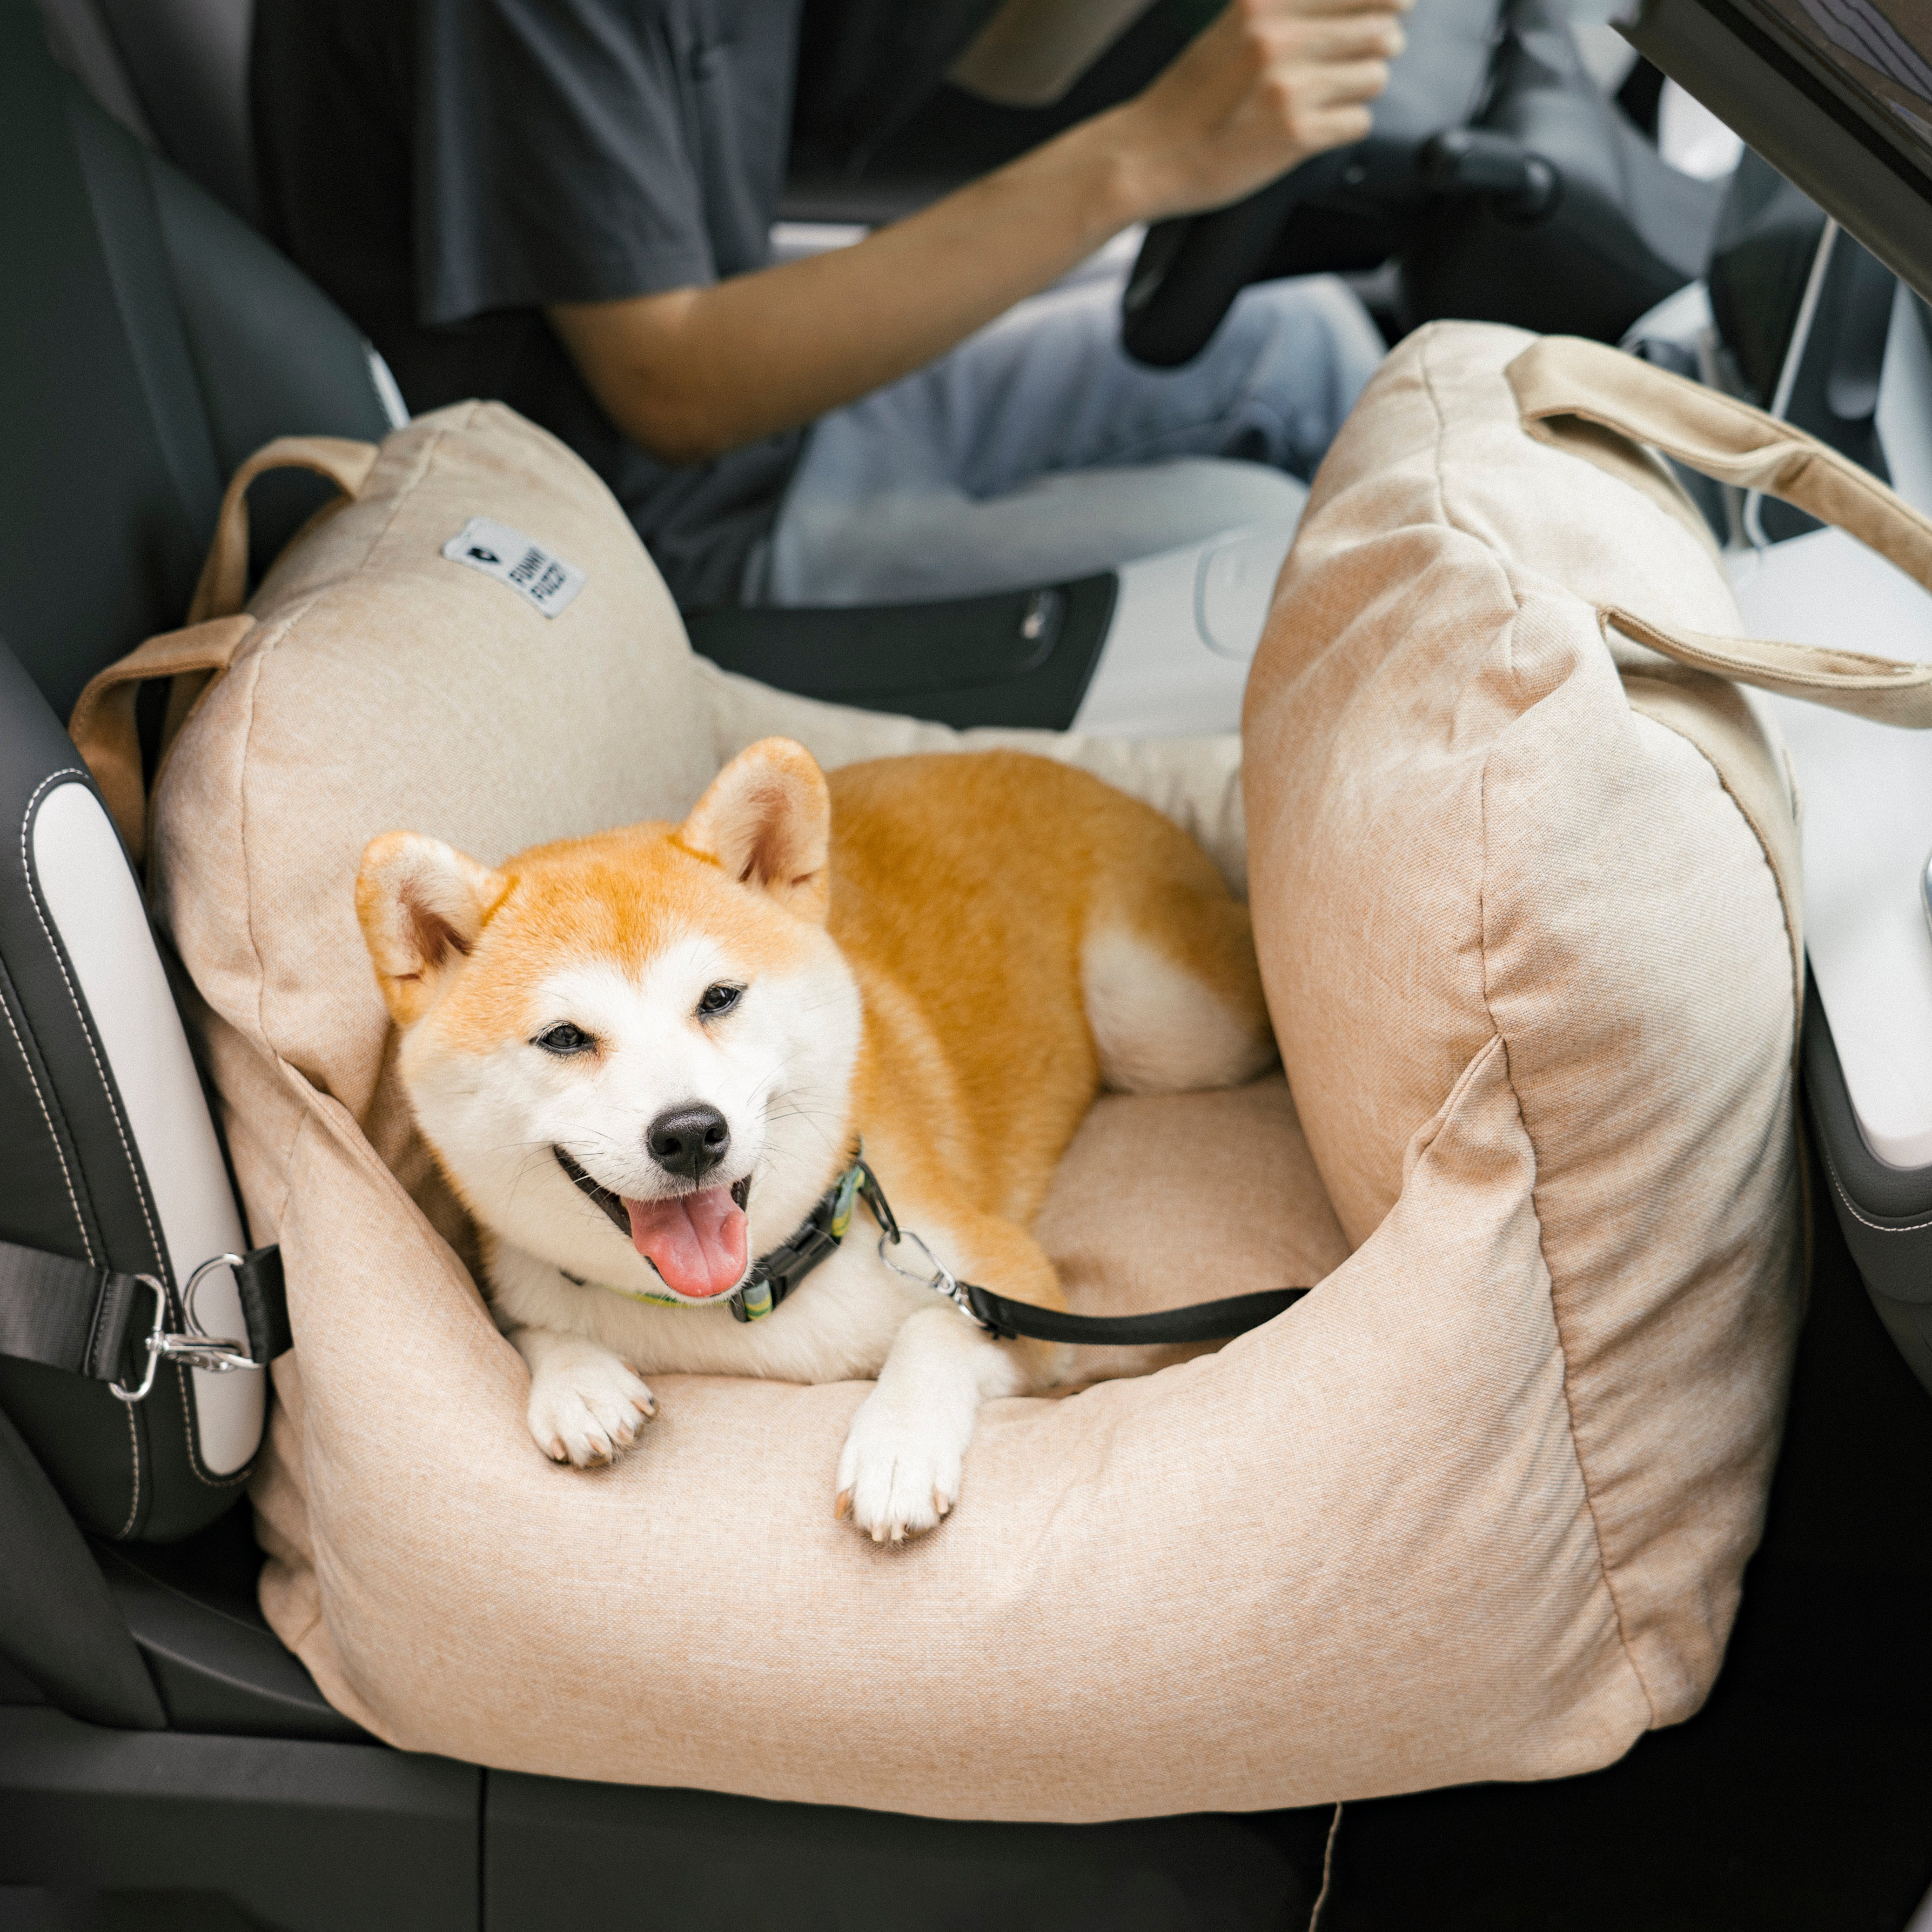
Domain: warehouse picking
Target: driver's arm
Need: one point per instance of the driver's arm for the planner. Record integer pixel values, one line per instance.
(693, 372)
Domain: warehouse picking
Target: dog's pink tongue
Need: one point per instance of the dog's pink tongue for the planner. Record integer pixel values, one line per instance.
(696, 1241)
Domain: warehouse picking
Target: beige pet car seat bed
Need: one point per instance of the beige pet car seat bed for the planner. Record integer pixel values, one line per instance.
(1523, 869)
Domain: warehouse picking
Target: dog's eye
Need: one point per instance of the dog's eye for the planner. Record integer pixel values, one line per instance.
(718, 1000)
(564, 1038)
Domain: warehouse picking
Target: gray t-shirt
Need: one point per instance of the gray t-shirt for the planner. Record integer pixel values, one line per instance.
(446, 168)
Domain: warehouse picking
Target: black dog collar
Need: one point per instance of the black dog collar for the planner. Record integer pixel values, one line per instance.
(775, 1275)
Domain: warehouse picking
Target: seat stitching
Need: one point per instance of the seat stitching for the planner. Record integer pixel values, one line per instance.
(201, 1475)
(87, 1032)
(134, 1450)
(161, 1260)
(1852, 1208)
(80, 1221)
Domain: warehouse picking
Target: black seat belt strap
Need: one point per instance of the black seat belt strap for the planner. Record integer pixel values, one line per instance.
(264, 1303)
(69, 1315)
(66, 1314)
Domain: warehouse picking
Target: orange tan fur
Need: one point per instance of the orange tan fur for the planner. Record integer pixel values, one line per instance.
(978, 1063)
(946, 955)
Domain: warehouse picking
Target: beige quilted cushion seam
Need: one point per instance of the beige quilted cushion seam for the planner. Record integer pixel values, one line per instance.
(1500, 562)
(1583, 1475)
(1497, 1044)
(1603, 1566)
(256, 661)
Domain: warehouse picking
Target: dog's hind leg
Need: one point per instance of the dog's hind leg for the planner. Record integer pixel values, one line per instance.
(1172, 991)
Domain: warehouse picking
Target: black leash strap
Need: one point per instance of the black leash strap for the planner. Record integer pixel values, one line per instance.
(1204, 1321)
(86, 1320)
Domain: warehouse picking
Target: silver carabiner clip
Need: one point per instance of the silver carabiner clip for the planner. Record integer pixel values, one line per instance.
(155, 1337)
(941, 1278)
(194, 1347)
(219, 1355)
(193, 1321)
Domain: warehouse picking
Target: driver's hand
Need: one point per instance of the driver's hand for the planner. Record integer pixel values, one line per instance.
(1269, 83)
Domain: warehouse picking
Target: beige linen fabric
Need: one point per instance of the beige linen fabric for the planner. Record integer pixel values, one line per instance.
(1477, 837)
(1124, 1221)
(1351, 1552)
(1474, 1510)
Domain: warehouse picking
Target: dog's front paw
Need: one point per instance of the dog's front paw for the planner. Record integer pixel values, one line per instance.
(900, 1473)
(585, 1407)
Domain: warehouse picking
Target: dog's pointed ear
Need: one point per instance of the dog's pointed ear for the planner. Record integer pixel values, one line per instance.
(422, 906)
(766, 819)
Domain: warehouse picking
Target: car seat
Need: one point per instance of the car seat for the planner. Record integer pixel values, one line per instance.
(176, 74)
(154, 1737)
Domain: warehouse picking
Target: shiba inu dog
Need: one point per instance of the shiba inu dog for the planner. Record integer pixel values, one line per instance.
(647, 1060)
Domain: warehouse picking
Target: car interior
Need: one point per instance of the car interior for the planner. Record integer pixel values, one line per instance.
(165, 1761)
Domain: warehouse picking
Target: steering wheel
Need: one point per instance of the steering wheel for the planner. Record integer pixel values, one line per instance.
(1190, 268)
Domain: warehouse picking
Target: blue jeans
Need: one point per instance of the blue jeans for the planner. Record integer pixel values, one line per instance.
(1036, 450)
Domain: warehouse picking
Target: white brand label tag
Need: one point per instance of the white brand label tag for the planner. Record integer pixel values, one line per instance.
(539, 576)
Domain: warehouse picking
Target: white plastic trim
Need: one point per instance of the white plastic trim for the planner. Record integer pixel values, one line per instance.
(1866, 789)
(1921, 1919)
(382, 379)
(1692, 139)
(96, 907)
(1185, 626)
(1904, 419)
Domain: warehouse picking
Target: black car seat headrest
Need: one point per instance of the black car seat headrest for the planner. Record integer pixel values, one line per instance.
(175, 71)
(149, 341)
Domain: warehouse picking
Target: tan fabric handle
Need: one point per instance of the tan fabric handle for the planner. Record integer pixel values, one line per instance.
(1561, 375)
(103, 727)
(1879, 688)
(224, 577)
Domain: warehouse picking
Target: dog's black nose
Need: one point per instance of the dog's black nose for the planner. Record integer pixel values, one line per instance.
(690, 1140)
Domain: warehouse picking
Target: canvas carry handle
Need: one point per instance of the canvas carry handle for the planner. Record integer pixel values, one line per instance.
(104, 727)
(224, 577)
(1564, 375)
